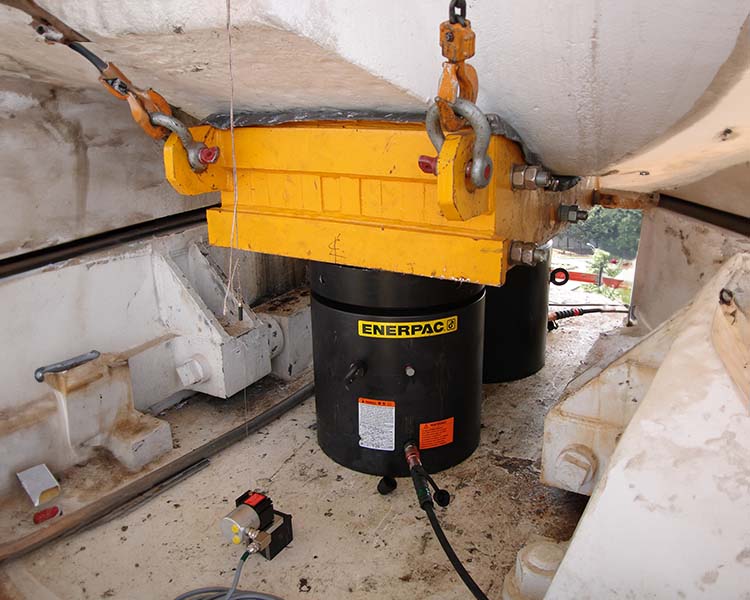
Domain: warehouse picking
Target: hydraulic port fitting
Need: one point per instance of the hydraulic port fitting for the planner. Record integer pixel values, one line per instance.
(418, 475)
(428, 164)
(527, 253)
(422, 480)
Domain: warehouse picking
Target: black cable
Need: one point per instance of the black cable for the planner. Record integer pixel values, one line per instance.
(88, 55)
(447, 548)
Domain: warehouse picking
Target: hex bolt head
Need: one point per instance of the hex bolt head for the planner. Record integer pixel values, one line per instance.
(576, 466)
(526, 253)
(570, 213)
(536, 565)
(516, 177)
(530, 177)
(193, 371)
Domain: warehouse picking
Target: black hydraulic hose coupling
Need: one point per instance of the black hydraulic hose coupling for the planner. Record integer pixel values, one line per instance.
(422, 482)
(418, 475)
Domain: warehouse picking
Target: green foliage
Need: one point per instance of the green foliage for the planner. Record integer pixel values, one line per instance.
(614, 230)
(603, 260)
(622, 294)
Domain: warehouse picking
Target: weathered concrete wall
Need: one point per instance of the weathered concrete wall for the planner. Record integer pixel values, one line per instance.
(677, 255)
(75, 164)
(727, 190)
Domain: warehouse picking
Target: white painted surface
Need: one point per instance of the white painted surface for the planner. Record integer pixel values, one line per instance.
(154, 310)
(712, 136)
(669, 519)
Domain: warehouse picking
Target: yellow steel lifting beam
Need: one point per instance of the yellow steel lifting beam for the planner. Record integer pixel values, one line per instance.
(352, 193)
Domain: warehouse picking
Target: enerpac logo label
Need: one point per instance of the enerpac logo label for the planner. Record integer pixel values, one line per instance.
(415, 329)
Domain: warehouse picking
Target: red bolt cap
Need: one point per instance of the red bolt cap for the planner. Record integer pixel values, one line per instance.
(208, 156)
(46, 514)
(428, 164)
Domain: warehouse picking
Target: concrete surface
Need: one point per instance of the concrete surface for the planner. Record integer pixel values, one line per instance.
(349, 541)
(680, 255)
(74, 164)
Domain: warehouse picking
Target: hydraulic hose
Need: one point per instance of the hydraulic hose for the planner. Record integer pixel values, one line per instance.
(556, 315)
(422, 482)
(449, 552)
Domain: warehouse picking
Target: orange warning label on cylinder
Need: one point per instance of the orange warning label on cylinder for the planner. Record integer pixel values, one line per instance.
(372, 402)
(437, 433)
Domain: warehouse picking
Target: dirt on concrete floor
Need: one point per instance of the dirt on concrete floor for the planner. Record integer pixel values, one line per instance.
(350, 542)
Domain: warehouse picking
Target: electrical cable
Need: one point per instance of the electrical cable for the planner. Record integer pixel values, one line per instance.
(450, 553)
(230, 593)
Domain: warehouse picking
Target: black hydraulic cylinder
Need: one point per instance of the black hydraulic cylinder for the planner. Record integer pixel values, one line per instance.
(515, 324)
(397, 358)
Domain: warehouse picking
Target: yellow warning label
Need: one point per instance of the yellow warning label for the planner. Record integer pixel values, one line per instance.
(414, 329)
(437, 433)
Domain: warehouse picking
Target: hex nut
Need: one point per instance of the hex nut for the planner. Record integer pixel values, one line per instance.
(517, 176)
(575, 467)
(529, 177)
(193, 371)
(526, 253)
